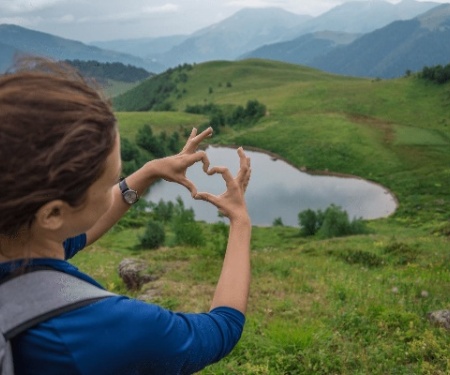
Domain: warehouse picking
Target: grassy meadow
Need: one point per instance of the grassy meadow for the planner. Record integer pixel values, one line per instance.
(348, 305)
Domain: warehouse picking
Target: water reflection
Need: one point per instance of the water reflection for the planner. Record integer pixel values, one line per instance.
(277, 190)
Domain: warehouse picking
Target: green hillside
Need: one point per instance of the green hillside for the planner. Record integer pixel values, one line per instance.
(395, 132)
(350, 305)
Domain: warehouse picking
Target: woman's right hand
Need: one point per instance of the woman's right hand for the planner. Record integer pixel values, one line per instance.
(231, 203)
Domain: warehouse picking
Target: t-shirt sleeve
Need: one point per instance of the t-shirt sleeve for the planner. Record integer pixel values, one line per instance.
(135, 337)
(74, 245)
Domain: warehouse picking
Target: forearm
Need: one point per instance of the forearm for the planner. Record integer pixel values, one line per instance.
(234, 283)
(139, 181)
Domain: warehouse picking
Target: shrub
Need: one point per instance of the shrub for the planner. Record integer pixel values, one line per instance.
(154, 235)
(401, 253)
(308, 222)
(334, 222)
(219, 238)
(278, 222)
(363, 258)
(163, 211)
(187, 231)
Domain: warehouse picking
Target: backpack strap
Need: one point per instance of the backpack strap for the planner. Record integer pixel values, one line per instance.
(34, 297)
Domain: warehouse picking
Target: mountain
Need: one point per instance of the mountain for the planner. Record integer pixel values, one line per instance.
(392, 50)
(252, 32)
(7, 54)
(244, 31)
(143, 47)
(37, 43)
(304, 49)
(361, 17)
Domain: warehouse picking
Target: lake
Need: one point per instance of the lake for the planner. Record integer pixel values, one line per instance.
(278, 190)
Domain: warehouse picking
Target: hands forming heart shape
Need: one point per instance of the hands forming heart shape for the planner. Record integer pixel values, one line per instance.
(230, 203)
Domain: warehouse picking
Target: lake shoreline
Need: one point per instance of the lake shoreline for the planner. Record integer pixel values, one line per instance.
(311, 172)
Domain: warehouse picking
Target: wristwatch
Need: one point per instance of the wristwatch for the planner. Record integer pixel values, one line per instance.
(130, 196)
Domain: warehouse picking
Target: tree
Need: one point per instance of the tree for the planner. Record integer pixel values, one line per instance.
(277, 222)
(333, 222)
(173, 143)
(154, 235)
(128, 150)
(146, 140)
(308, 222)
(187, 231)
(336, 223)
(163, 211)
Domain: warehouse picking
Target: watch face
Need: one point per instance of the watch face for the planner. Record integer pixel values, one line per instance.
(130, 196)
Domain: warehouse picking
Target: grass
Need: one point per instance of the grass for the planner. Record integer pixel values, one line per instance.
(314, 308)
(130, 122)
(353, 305)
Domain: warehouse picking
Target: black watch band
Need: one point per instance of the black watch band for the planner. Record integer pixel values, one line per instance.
(129, 196)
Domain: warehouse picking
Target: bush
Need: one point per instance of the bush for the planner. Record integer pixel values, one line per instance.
(163, 211)
(363, 258)
(334, 222)
(308, 222)
(278, 222)
(219, 238)
(154, 235)
(187, 231)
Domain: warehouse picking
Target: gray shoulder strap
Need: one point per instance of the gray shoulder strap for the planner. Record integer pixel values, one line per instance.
(36, 296)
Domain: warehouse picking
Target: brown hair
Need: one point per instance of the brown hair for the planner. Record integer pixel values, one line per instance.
(56, 132)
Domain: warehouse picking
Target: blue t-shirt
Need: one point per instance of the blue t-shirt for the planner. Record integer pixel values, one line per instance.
(120, 335)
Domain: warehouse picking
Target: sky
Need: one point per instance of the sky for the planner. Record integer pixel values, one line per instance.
(99, 20)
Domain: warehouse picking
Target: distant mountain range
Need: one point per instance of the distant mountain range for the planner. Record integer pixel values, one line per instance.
(244, 31)
(146, 48)
(250, 29)
(16, 39)
(391, 51)
(360, 17)
(304, 49)
(370, 38)
(387, 52)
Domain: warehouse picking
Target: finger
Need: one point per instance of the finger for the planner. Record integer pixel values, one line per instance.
(203, 135)
(224, 171)
(199, 156)
(207, 197)
(194, 140)
(189, 140)
(244, 164)
(189, 185)
(193, 134)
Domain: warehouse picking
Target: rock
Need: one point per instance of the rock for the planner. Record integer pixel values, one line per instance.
(134, 273)
(440, 318)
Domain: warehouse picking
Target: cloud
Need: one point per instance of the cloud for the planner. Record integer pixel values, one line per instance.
(166, 8)
(253, 3)
(300, 7)
(27, 6)
(130, 15)
(67, 18)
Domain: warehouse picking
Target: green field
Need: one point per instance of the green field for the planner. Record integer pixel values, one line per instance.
(352, 305)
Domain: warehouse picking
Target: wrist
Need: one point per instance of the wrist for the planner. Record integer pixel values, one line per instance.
(153, 170)
(240, 218)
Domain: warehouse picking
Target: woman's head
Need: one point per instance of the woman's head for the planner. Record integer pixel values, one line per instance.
(56, 133)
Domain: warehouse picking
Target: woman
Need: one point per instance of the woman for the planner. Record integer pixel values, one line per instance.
(59, 171)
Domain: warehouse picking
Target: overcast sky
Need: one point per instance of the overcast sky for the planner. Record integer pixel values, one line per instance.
(93, 20)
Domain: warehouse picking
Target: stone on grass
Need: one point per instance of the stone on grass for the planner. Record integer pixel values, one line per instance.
(440, 318)
(134, 273)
